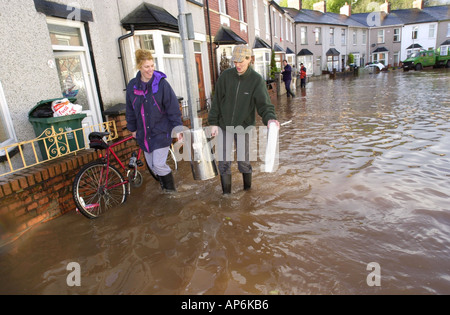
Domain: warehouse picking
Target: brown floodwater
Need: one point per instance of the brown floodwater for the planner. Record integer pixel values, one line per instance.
(363, 177)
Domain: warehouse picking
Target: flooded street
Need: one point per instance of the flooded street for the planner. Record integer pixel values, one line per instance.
(364, 177)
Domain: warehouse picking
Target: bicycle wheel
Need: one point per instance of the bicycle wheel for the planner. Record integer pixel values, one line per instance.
(91, 196)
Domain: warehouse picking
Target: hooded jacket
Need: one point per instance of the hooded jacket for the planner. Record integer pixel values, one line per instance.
(238, 97)
(152, 111)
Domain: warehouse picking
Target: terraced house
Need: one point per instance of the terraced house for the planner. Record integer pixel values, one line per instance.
(87, 46)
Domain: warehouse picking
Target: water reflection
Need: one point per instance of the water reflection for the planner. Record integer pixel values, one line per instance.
(364, 177)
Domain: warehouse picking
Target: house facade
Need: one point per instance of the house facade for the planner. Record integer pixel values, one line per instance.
(87, 47)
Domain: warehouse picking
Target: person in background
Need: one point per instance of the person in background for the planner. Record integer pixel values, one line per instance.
(302, 76)
(294, 77)
(287, 78)
(240, 93)
(152, 112)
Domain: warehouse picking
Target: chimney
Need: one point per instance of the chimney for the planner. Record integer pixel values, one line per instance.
(346, 9)
(385, 7)
(296, 4)
(418, 4)
(320, 6)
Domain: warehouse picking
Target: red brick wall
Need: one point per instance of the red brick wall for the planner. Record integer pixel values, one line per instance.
(42, 193)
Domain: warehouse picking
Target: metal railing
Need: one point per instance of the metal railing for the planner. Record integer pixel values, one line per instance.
(53, 144)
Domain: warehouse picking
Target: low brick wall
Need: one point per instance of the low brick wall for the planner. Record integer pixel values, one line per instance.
(44, 192)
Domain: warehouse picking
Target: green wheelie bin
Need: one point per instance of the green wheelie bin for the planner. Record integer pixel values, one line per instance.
(62, 141)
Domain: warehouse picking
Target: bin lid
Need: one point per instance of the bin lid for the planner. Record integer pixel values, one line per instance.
(48, 103)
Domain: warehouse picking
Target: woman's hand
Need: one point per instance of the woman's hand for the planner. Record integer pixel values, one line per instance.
(134, 134)
(214, 131)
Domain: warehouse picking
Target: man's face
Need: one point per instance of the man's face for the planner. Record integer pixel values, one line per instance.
(242, 67)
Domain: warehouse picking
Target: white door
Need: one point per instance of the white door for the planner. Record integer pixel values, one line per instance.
(75, 82)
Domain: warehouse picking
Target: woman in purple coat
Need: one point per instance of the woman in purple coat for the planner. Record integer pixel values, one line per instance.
(152, 113)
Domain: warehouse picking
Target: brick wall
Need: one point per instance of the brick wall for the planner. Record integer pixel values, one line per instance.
(44, 192)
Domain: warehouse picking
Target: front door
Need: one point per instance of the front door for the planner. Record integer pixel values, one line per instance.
(201, 81)
(75, 82)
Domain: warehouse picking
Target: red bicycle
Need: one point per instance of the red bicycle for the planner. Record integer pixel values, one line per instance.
(99, 186)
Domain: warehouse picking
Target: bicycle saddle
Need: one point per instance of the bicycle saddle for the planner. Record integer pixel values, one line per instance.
(98, 134)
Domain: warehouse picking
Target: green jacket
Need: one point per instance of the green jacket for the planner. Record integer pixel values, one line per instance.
(237, 97)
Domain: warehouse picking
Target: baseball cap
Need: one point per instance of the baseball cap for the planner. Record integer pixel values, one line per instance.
(240, 52)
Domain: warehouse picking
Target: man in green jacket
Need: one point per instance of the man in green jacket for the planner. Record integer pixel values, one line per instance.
(239, 93)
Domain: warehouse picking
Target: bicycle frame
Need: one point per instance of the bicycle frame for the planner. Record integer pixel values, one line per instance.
(109, 152)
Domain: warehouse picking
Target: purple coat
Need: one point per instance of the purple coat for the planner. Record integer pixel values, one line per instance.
(152, 111)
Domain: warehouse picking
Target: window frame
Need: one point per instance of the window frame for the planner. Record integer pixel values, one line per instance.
(6, 117)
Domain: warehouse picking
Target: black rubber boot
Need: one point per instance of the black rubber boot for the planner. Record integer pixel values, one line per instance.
(167, 182)
(226, 183)
(247, 180)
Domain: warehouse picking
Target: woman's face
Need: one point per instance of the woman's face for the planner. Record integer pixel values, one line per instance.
(147, 69)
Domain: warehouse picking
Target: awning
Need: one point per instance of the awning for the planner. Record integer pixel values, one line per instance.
(150, 17)
(289, 51)
(414, 46)
(225, 36)
(277, 48)
(259, 43)
(447, 42)
(333, 52)
(305, 52)
(380, 49)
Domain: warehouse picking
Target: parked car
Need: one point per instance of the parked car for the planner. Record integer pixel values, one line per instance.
(375, 66)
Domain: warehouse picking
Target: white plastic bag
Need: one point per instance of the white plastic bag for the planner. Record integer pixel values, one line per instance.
(63, 107)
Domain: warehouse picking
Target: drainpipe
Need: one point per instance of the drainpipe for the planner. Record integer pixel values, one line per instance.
(121, 38)
(211, 45)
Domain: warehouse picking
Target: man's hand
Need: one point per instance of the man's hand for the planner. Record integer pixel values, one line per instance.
(273, 121)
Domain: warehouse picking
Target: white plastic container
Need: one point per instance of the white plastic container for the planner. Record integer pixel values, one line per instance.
(271, 148)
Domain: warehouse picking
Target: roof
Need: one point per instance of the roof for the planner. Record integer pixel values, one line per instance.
(225, 36)
(259, 43)
(278, 48)
(380, 49)
(333, 52)
(305, 52)
(372, 19)
(289, 51)
(150, 17)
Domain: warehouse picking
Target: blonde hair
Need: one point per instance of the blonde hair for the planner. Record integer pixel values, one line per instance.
(142, 55)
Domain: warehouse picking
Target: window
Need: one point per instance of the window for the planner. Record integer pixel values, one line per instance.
(364, 37)
(303, 35)
(331, 35)
(266, 17)
(355, 37)
(396, 35)
(448, 29)
(223, 6)
(343, 37)
(262, 62)
(275, 31)
(147, 43)
(168, 54)
(432, 31)
(241, 11)
(380, 57)
(380, 36)
(415, 32)
(318, 35)
(7, 135)
(172, 45)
